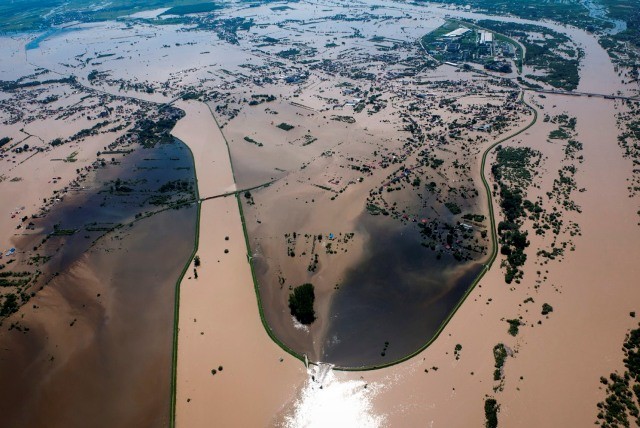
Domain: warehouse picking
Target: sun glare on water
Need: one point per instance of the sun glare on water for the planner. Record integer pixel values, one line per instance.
(326, 401)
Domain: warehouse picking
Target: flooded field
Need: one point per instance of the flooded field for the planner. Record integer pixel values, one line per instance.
(337, 145)
(106, 306)
(394, 300)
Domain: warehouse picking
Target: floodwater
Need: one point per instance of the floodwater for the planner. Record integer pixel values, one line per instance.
(98, 350)
(326, 401)
(598, 11)
(35, 43)
(400, 293)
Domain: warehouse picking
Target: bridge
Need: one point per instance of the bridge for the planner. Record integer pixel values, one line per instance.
(586, 94)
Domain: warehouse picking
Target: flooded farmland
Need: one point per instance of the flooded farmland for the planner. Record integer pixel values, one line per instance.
(106, 306)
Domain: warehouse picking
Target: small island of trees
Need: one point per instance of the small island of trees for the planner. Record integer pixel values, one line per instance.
(301, 303)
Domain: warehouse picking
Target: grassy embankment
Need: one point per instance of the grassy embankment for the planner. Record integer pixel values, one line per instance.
(176, 305)
(253, 273)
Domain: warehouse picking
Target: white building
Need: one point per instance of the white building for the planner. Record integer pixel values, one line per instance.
(485, 37)
(456, 33)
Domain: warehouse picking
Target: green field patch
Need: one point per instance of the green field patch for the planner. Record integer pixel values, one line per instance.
(285, 126)
(192, 8)
(252, 141)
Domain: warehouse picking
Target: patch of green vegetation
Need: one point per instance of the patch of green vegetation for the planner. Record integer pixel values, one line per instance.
(512, 172)
(624, 46)
(574, 13)
(249, 198)
(513, 164)
(527, 84)
(308, 139)
(71, 157)
(120, 187)
(457, 350)
(453, 207)
(552, 255)
(258, 99)
(546, 308)
(514, 326)
(29, 15)
(623, 391)
(86, 132)
(500, 356)
(176, 186)
(376, 210)
(345, 119)
(280, 8)
(320, 186)
(159, 200)
(285, 126)
(513, 244)
(289, 53)
(572, 148)
(628, 12)
(301, 303)
(152, 132)
(64, 232)
(58, 231)
(491, 408)
(559, 134)
(435, 163)
(12, 85)
(192, 8)
(14, 279)
(474, 217)
(38, 260)
(252, 141)
(191, 95)
(10, 305)
(384, 349)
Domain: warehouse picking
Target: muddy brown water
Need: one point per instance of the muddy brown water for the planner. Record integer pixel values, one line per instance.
(400, 293)
(98, 350)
